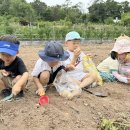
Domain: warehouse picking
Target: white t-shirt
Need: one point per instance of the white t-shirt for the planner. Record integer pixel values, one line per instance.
(41, 66)
(77, 73)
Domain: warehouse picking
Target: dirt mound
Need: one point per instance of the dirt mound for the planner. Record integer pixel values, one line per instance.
(81, 113)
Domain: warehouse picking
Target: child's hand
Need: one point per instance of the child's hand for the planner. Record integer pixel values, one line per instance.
(70, 67)
(77, 52)
(15, 90)
(41, 91)
(91, 55)
(5, 73)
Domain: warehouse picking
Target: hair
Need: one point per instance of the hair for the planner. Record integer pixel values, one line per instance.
(10, 38)
(114, 55)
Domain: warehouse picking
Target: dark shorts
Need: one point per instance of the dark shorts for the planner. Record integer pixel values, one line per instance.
(53, 75)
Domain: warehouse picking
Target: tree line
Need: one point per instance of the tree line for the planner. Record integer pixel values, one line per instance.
(98, 12)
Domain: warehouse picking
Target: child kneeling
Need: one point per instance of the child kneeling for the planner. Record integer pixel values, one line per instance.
(13, 72)
(48, 65)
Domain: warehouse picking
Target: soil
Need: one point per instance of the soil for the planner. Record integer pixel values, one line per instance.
(80, 113)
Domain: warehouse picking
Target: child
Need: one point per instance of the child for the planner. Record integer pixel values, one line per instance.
(46, 68)
(74, 63)
(105, 68)
(118, 65)
(13, 72)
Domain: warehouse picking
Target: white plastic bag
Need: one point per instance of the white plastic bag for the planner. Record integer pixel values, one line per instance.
(66, 86)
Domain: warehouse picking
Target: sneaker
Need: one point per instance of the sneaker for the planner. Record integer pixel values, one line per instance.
(93, 85)
(6, 92)
(20, 94)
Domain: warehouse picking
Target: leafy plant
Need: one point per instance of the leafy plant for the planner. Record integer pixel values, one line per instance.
(113, 125)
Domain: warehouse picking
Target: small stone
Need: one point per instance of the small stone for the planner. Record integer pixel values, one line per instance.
(37, 105)
(85, 104)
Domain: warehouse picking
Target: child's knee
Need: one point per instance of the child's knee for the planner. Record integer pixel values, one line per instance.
(94, 76)
(45, 76)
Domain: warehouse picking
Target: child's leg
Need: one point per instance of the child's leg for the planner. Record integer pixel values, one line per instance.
(2, 85)
(44, 78)
(106, 76)
(5, 86)
(15, 80)
(3, 82)
(88, 80)
(17, 89)
(41, 82)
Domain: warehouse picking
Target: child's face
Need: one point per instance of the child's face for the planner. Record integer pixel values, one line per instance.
(121, 57)
(52, 64)
(73, 44)
(8, 59)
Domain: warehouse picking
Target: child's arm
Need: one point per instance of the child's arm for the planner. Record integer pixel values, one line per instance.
(69, 67)
(72, 64)
(20, 83)
(76, 55)
(120, 77)
(41, 90)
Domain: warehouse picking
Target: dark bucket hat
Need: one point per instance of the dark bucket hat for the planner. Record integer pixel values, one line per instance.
(53, 52)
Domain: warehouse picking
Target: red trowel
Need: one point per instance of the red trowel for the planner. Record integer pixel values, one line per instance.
(43, 100)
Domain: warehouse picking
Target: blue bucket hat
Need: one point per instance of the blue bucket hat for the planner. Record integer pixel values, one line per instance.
(53, 52)
(9, 48)
(73, 36)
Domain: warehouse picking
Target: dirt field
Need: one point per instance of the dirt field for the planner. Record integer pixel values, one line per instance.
(81, 113)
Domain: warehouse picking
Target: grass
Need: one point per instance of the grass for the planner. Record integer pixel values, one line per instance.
(107, 124)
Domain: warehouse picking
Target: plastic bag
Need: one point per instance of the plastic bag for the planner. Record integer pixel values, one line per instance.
(66, 86)
(90, 67)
